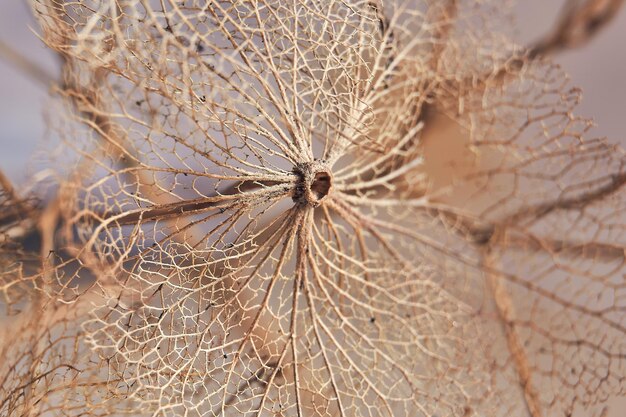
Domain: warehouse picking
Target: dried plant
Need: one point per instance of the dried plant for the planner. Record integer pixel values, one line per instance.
(333, 208)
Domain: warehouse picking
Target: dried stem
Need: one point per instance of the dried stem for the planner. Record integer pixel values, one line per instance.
(580, 21)
(25, 65)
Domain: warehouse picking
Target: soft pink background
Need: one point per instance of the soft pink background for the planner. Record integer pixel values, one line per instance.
(599, 68)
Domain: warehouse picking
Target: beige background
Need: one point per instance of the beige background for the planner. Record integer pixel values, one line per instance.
(599, 68)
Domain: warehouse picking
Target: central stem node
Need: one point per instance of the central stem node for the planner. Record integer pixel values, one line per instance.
(315, 182)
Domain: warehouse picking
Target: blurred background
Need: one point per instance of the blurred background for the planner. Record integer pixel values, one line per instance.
(599, 68)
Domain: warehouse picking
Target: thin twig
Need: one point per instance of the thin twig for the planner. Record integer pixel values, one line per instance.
(25, 66)
(505, 310)
(579, 22)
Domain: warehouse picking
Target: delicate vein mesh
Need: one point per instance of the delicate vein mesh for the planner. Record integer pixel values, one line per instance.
(467, 259)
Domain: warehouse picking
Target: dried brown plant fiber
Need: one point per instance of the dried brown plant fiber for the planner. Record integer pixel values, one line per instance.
(315, 208)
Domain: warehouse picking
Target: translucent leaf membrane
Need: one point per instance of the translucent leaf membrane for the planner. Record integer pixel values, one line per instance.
(48, 370)
(16, 263)
(332, 208)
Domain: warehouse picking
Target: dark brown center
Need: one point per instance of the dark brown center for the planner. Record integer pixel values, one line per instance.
(315, 182)
(320, 187)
